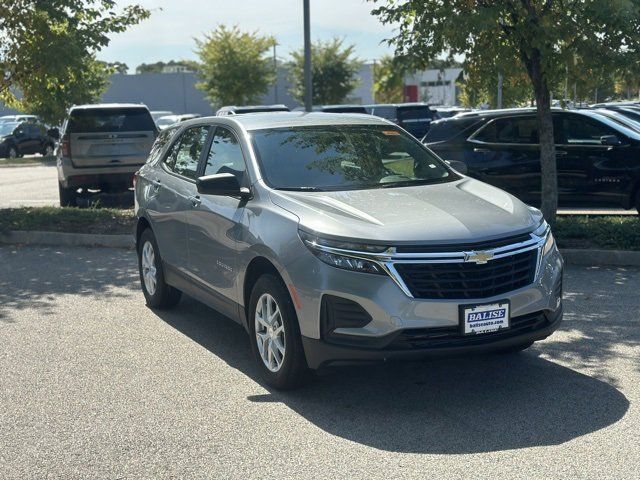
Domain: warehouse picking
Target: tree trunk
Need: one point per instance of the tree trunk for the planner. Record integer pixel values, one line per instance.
(549, 177)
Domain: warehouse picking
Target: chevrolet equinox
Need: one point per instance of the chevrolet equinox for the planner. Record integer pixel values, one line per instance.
(338, 238)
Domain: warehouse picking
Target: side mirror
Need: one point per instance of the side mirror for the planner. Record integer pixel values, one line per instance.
(458, 166)
(223, 184)
(611, 140)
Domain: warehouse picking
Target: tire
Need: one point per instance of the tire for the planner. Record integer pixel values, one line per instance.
(67, 196)
(157, 292)
(515, 348)
(47, 151)
(291, 370)
(13, 152)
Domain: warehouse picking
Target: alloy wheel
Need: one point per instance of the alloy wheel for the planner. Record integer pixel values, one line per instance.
(270, 334)
(149, 268)
(13, 153)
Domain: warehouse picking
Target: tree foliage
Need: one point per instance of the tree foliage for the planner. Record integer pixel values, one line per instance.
(234, 66)
(542, 37)
(48, 47)
(334, 68)
(388, 80)
(158, 67)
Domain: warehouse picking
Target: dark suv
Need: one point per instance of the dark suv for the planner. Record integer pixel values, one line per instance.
(25, 138)
(597, 156)
(415, 118)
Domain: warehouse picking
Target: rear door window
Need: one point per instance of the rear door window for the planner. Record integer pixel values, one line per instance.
(518, 130)
(185, 153)
(110, 120)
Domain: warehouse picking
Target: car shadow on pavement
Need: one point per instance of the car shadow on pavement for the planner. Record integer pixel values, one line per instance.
(456, 406)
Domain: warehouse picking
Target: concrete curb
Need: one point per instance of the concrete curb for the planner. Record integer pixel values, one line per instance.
(619, 258)
(67, 239)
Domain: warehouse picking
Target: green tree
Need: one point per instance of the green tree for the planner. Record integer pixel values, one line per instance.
(158, 67)
(539, 35)
(48, 47)
(388, 80)
(234, 66)
(334, 69)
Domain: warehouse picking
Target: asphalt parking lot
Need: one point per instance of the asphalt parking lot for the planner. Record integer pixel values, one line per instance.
(96, 385)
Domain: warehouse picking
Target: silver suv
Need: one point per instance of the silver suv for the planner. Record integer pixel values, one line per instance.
(337, 238)
(101, 147)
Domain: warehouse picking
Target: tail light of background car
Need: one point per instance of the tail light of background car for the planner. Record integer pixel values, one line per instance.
(65, 146)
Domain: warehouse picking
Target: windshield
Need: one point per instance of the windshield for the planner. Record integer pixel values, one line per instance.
(345, 157)
(7, 128)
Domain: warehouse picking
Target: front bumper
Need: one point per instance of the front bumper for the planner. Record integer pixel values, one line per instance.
(431, 343)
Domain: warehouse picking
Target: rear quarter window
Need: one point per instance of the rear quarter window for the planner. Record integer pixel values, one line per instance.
(103, 120)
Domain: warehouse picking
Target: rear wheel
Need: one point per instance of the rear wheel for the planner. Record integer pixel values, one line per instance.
(157, 292)
(274, 334)
(13, 152)
(67, 196)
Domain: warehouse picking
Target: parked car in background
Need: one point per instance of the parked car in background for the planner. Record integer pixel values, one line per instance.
(238, 110)
(597, 156)
(446, 112)
(164, 122)
(156, 114)
(19, 118)
(341, 109)
(24, 138)
(101, 148)
(415, 118)
(339, 238)
(630, 111)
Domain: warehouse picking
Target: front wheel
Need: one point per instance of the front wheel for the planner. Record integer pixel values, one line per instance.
(67, 196)
(13, 152)
(274, 334)
(157, 292)
(47, 151)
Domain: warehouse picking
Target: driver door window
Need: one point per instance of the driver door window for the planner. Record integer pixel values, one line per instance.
(578, 131)
(225, 155)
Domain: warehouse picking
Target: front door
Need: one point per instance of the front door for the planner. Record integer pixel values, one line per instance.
(215, 223)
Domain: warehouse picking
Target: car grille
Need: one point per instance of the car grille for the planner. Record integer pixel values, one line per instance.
(467, 280)
(447, 337)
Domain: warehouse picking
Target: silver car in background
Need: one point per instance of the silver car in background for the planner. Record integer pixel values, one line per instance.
(101, 147)
(339, 238)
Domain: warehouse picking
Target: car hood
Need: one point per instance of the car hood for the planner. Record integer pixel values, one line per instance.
(466, 210)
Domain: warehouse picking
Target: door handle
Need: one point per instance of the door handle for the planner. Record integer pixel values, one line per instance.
(481, 150)
(195, 201)
(561, 153)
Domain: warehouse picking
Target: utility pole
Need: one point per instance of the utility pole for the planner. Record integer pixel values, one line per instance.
(499, 99)
(275, 69)
(308, 85)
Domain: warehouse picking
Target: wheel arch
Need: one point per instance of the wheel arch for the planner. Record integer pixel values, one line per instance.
(257, 267)
(141, 226)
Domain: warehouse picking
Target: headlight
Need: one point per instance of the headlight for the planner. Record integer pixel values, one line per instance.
(549, 243)
(332, 253)
(544, 231)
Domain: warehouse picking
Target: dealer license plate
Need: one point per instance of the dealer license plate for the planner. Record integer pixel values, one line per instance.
(486, 318)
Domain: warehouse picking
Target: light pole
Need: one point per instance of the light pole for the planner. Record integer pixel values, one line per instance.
(308, 86)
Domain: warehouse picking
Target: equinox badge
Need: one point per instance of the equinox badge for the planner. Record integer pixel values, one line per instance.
(478, 257)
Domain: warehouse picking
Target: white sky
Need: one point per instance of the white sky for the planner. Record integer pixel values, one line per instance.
(173, 25)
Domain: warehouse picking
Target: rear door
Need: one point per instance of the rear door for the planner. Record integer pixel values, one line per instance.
(506, 153)
(172, 191)
(103, 137)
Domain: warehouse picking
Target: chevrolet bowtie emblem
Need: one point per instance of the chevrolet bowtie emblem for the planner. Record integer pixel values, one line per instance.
(478, 257)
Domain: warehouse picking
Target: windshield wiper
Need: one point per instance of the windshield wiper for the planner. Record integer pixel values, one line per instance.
(302, 189)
